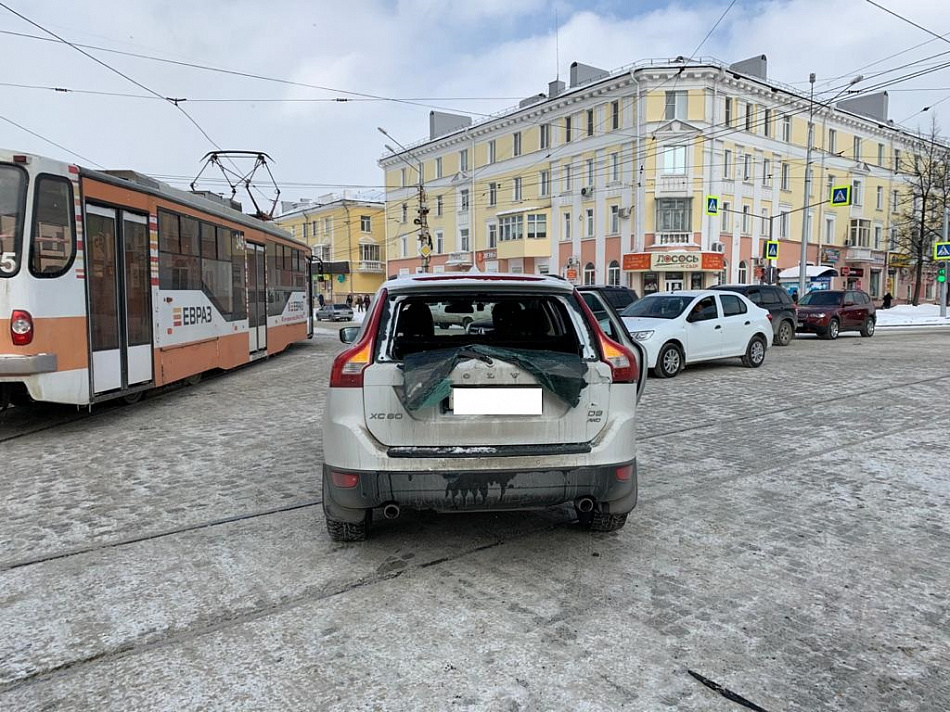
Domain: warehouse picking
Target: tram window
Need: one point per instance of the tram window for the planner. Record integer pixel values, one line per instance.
(168, 238)
(209, 242)
(224, 243)
(238, 277)
(189, 236)
(177, 270)
(53, 246)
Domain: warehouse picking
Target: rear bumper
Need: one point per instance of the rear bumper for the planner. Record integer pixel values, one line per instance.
(11, 365)
(479, 490)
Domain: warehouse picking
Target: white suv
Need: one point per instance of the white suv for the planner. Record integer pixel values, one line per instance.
(535, 411)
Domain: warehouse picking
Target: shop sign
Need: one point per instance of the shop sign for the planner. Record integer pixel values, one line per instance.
(572, 274)
(713, 262)
(830, 254)
(677, 261)
(856, 272)
(637, 261)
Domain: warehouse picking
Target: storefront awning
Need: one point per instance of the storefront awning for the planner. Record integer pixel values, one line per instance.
(811, 271)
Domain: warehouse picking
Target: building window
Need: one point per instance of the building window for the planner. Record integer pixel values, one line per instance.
(765, 223)
(463, 240)
(674, 160)
(568, 176)
(747, 167)
(438, 167)
(306, 228)
(544, 182)
(830, 229)
(613, 273)
(405, 213)
(743, 273)
(614, 219)
(492, 235)
(510, 227)
(673, 215)
(727, 164)
(783, 224)
(675, 105)
(463, 160)
(463, 200)
(615, 115)
(728, 111)
(857, 193)
(566, 234)
(439, 241)
(892, 238)
(545, 135)
(726, 219)
(438, 205)
(516, 194)
(366, 223)
(404, 246)
(860, 234)
(516, 144)
(748, 116)
(880, 154)
(589, 273)
(897, 160)
(590, 122)
(537, 226)
(590, 222)
(832, 141)
(369, 253)
(492, 194)
(491, 151)
(567, 129)
(787, 129)
(857, 148)
(880, 198)
(895, 200)
(402, 177)
(614, 167)
(768, 122)
(786, 177)
(590, 172)
(746, 220)
(766, 173)
(878, 236)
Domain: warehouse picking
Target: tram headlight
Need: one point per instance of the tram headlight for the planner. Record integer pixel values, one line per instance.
(21, 327)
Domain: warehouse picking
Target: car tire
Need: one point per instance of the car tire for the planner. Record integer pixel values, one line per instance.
(755, 352)
(600, 522)
(868, 329)
(348, 531)
(133, 398)
(669, 362)
(786, 332)
(834, 328)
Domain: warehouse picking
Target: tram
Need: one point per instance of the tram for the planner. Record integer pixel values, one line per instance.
(113, 283)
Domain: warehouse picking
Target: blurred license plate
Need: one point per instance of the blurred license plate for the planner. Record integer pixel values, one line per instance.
(496, 401)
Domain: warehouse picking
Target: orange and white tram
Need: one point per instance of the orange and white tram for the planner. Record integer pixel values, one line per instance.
(112, 283)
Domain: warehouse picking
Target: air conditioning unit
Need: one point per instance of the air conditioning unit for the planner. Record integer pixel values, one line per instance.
(757, 261)
(624, 213)
(718, 247)
(587, 190)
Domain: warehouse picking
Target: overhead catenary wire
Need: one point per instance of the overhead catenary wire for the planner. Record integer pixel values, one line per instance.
(49, 141)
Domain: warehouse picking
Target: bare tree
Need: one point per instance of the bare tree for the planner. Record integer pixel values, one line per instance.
(919, 221)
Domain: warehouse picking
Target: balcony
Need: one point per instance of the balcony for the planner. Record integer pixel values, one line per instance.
(459, 259)
(677, 185)
(673, 238)
(375, 266)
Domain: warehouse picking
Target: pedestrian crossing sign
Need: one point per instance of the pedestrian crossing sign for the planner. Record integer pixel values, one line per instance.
(942, 251)
(771, 249)
(841, 195)
(712, 205)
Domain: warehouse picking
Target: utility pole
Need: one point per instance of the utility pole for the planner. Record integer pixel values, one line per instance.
(802, 266)
(943, 285)
(422, 220)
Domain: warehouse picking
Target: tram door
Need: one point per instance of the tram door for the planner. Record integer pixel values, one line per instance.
(120, 314)
(256, 297)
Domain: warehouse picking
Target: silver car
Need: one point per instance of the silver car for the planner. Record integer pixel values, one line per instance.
(335, 312)
(536, 410)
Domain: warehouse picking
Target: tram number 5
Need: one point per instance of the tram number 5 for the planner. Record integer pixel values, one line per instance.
(8, 262)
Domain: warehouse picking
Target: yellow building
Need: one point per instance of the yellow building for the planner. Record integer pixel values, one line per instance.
(347, 237)
(606, 180)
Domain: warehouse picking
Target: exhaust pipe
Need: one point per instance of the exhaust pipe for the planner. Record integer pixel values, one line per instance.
(585, 505)
(391, 511)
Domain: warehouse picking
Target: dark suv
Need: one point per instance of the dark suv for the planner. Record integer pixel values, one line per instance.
(616, 296)
(776, 301)
(829, 312)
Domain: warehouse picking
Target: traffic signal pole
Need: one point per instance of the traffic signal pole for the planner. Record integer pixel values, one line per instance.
(943, 285)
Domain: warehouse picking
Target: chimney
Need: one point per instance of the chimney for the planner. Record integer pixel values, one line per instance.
(555, 88)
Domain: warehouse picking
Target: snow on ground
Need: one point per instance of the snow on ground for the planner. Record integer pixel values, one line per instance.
(909, 315)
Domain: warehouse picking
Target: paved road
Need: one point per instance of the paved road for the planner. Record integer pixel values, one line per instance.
(791, 544)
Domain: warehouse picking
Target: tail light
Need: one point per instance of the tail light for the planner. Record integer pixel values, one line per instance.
(348, 367)
(346, 480)
(769, 315)
(623, 474)
(622, 362)
(21, 327)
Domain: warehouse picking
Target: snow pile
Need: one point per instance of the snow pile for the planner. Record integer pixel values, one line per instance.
(909, 315)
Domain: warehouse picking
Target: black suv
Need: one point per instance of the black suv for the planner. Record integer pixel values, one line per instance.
(776, 301)
(617, 297)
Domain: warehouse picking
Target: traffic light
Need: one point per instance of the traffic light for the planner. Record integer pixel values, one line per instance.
(942, 274)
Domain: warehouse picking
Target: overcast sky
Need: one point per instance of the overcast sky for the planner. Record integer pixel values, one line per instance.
(437, 53)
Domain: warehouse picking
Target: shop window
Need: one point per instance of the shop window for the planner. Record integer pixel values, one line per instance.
(743, 273)
(589, 273)
(613, 273)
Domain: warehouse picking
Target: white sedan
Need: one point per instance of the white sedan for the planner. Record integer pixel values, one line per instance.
(677, 328)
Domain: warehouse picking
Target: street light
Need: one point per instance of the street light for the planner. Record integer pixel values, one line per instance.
(425, 240)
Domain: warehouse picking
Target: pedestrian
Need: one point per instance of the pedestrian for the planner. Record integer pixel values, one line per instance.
(320, 299)
(366, 301)
(359, 303)
(349, 300)
(886, 302)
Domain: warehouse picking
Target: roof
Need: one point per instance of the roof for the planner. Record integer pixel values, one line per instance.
(469, 281)
(810, 271)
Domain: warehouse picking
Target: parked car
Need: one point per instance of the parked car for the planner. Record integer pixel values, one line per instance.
(616, 296)
(536, 410)
(776, 301)
(335, 312)
(678, 328)
(610, 322)
(829, 312)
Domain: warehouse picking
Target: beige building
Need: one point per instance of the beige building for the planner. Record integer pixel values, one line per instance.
(347, 237)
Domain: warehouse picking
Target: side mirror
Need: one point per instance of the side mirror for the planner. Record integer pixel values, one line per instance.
(348, 334)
